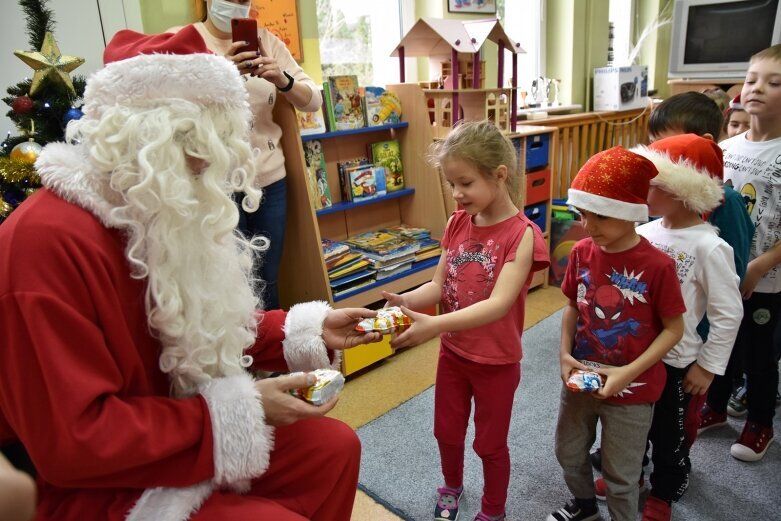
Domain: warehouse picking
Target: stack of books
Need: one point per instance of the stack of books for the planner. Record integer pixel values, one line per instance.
(428, 247)
(387, 253)
(347, 268)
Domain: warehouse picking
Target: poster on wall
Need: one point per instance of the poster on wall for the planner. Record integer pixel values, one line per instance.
(280, 17)
(472, 6)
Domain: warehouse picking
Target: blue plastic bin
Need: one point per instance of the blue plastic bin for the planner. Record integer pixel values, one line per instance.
(537, 151)
(537, 213)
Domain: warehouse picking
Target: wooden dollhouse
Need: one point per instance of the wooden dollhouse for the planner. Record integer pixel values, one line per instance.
(457, 45)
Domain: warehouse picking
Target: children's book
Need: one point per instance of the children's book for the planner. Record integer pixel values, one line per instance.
(342, 167)
(344, 102)
(333, 249)
(388, 155)
(310, 122)
(317, 177)
(381, 245)
(382, 107)
(364, 182)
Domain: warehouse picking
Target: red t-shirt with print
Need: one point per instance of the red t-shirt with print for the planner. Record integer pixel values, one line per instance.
(621, 299)
(475, 257)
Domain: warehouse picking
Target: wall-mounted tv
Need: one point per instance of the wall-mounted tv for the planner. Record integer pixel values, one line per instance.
(716, 38)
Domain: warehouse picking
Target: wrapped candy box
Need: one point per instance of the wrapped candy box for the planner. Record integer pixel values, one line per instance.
(329, 383)
(388, 320)
(584, 381)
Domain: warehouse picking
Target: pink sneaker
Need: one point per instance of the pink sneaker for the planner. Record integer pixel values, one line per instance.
(752, 443)
(600, 487)
(656, 509)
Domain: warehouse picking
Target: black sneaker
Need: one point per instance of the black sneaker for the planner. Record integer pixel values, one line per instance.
(572, 512)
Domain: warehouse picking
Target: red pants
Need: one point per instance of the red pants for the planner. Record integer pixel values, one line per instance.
(313, 474)
(493, 388)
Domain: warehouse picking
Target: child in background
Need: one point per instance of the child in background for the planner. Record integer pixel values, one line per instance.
(751, 164)
(624, 314)
(686, 113)
(736, 119)
(684, 190)
(491, 252)
(719, 97)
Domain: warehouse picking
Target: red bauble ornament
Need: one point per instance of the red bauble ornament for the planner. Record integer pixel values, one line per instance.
(22, 105)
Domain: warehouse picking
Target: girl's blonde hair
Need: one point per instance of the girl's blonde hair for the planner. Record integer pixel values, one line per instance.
(483, 145)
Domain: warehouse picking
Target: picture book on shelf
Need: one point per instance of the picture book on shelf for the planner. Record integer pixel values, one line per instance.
(343, 166)
(317, 178)
(343, 102)
(388, 155)
(310, 122)
(363, 182)
(382, 107)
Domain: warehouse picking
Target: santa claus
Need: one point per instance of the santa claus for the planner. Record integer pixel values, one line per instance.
(130, 322)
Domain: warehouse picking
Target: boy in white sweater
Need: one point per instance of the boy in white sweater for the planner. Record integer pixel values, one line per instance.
(687, 187)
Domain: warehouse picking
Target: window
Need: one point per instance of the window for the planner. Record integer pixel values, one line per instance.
(621, 18)
(524, 22)
(357, 37)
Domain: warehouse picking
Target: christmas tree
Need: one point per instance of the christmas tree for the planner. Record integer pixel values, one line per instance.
(41, 107)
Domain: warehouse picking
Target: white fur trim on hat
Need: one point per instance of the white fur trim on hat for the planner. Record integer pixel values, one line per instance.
(606, 206)
(303, 346)
(205, 79)
(698, 191)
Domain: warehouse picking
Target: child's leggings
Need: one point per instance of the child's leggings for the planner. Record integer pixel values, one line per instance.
(493, 388)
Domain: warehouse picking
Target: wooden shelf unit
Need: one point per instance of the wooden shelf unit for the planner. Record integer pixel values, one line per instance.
(303, 275)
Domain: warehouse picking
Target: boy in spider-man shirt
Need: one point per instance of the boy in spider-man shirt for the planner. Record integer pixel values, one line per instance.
(625, 313)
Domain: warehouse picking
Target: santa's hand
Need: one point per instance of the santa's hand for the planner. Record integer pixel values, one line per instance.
(339, 328)
(282, 408)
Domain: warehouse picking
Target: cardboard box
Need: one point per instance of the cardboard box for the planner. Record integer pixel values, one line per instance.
(620, 88)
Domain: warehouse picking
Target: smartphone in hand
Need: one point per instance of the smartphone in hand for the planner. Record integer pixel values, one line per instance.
(245, 30)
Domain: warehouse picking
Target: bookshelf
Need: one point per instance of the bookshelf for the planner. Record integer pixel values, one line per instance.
(303, 275)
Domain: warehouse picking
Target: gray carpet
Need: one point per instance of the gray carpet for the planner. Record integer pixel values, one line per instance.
(400, 462)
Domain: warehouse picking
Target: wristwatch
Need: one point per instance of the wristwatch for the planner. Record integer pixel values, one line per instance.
(290, 81)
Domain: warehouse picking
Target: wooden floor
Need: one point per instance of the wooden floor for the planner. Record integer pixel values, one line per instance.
(380, 388)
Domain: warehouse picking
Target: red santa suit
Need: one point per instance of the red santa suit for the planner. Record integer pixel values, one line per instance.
(81, 385)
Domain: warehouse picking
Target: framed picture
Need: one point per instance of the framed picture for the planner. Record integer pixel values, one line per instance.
(472, 6)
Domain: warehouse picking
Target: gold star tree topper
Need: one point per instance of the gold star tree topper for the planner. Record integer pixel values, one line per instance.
(50, 62)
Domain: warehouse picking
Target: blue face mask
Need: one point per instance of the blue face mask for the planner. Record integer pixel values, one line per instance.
(221, 13)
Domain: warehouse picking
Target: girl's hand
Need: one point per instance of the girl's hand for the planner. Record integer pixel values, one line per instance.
(339, 328)
(697, 380)
(244, 61)
(281, 408)
(616, 380)
(423, 328)
(393, 299)
(568, 364)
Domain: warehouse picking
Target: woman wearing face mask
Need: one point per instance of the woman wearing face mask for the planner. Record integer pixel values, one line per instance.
(270, 73)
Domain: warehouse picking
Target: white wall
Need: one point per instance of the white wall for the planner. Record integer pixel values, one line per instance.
(82, 29)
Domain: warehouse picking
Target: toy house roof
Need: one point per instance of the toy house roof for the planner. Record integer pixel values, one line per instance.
(437, 36)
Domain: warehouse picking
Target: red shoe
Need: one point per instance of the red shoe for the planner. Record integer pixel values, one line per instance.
(600, 487)
(656, 509)
(752, 443)
(710, 418)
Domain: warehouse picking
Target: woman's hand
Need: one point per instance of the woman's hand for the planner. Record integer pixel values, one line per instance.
(339, 328)
(266, 67)
(247, 61)
(282, 408)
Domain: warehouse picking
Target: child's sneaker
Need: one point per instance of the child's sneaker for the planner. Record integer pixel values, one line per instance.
(656, 509)
(710, 419)
(483, 517)
(738, 402)
(446, 508)
(572, 512)
(600, 487)
(752, 443)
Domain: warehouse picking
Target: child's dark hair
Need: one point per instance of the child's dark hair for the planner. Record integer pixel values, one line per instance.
(687, 112)
(482, 144)
(727, 115)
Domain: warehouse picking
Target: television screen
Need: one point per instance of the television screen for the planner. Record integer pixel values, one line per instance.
(730, 32)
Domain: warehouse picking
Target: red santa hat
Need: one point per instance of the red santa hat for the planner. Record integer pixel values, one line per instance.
(142, 69)
(690, 168)
(735, 103)
(614, 183)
